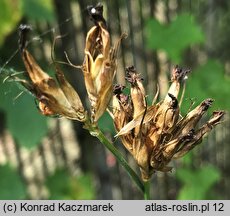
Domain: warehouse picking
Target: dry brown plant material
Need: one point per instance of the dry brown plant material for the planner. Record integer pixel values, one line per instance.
(156, 134)
(54, 97)
(100, 63)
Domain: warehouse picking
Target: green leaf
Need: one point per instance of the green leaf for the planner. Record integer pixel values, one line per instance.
(105, 123)
(8, 20)
(63, 186)
(38, 10)
(197, 183)
(209, 81)
(11, 185)
(187, 159)
(174, 37)
(23, 119)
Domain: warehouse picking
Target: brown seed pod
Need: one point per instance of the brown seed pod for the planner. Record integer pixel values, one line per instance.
(54, 98)
(99, 65)
(157, 134)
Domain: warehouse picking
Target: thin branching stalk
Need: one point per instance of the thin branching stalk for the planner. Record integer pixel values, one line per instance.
(147, 190)
(95, 131)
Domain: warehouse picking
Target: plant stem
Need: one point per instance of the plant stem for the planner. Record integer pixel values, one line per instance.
(121, 159)
(95, 131)
(147, 190)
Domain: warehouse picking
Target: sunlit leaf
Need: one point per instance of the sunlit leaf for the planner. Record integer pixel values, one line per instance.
(174, 37)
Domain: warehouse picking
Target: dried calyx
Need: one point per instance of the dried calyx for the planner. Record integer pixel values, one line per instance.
(54, 98)
(156, 134)
(100, 63)
(99, 68)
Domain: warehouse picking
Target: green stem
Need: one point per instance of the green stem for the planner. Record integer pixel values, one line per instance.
(147, 190)
(95, 131)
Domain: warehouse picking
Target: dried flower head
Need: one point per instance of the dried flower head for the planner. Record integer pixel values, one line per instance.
(99, 65)
(55, 98)
(156, 134)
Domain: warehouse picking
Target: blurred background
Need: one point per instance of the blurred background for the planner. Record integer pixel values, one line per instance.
(50, 158)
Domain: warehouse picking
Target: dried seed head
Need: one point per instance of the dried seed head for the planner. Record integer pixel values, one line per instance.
(122, 109)
(54, 98)
(193, 117)
(167, 115)
(198, 135)
(99, 65)
(157, 134)
(137, 90)
(122, 112)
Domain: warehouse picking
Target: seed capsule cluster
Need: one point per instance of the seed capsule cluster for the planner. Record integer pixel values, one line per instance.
(156, 134)
(58, 98)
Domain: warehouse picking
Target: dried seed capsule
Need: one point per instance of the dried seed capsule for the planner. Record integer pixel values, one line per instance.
(119, 113)
(99, 65)
(193, 117)
(122, 112)
(155, 135)
(137, 91)
(178, 75)
(198, 135)
(54, 99)
(167, 114)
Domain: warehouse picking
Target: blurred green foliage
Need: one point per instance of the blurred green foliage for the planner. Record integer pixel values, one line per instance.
(197, 184)
(13, 11)
(105, 123)
(174, 37)
(62, 186)
(208, 80)
(41, 10)
(23, 119)
(9, 17)
(11, 184)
